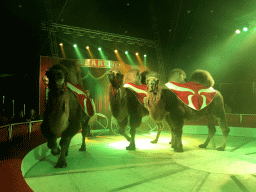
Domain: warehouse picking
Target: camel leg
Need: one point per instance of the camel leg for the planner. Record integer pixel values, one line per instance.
(85, 128)
(122, 124)
(66, 154)
(52, 144)
(178, 139)
(211, 131)
(172, 136)
(225, 130)
(168, 120)
(177, 124)
(51, 139)
(132, 141)
(159, 129)
(173, 141)
(135, 121)
(64, 143)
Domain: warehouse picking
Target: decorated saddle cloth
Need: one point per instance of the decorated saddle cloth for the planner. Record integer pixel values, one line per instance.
(192, 94)
(86, 103)
(138, 90)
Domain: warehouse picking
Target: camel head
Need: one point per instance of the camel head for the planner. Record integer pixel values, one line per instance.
(115, 77)
(152, 81)
(57, 76)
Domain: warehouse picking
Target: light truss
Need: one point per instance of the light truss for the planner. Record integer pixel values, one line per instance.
(54, 28)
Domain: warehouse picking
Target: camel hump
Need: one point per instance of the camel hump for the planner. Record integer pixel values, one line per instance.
(177, 75)
(202, 77)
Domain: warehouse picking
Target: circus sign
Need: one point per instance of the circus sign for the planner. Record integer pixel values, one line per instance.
(98, 63)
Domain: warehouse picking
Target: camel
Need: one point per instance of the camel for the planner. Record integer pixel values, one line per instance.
(63, 114)
(168, 105)
(124, 104)
(155, 102)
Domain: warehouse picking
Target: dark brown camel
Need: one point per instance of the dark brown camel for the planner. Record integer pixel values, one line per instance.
(176, 111)
(63, 114)
(124, 103)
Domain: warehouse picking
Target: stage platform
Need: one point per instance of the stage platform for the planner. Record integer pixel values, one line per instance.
(107, 166)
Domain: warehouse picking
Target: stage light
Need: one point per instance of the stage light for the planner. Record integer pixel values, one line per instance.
(245, 29)
(61, 44)
(115, 51)
(126, 52)
(75, 45)
(99, 48)
(137, 54)
(145, 55)
(238, 31)
(87, 47)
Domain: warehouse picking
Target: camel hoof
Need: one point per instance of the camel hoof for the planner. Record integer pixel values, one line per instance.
(154, 141)
(61, 164)
(178, 150)
(202, 146)
(54, 152)
(131, 147)
(221, 149)
(82, 149)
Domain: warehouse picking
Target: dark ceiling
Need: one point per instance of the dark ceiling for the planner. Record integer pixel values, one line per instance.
(186, 28)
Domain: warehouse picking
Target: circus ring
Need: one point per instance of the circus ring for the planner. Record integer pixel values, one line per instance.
(107, 166)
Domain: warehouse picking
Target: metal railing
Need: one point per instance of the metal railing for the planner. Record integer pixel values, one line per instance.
(241, 116)
(10, 126)
(21, 123)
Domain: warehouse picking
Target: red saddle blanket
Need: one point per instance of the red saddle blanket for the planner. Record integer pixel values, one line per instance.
(138, 90)
(86, 103)
(192, 94)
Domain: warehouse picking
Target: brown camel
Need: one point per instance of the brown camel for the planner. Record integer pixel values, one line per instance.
(124, 103)
(176, 111)
(63, 114)
(154, 102)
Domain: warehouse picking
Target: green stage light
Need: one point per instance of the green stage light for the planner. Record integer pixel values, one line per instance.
(78, 53)
(145, 55)
(245, 29)
(99, 48)
(238, 31)
(126, 52)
